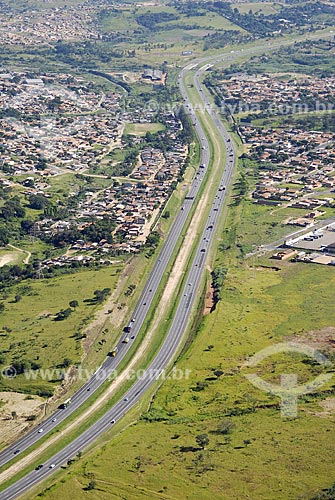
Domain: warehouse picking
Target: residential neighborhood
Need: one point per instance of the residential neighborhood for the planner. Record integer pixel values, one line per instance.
(283, 93)
(54, 125)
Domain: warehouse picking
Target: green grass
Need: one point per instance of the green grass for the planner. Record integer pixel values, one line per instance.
(261, 225)
(140, 129)
(211, 21)
(34, 335)
(13, 256)
(256, 469)
(265, 8)
(267, 456)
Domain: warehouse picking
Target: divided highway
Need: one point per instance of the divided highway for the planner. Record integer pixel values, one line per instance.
(141, 310)
(173, 338)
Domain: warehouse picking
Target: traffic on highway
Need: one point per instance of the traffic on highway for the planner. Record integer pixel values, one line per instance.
(172, 341)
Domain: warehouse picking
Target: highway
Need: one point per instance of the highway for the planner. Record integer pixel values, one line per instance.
(155, 277)
(141, 310)
(176, 331)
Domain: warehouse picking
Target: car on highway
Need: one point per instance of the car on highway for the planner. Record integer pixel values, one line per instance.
(16, 452)
(98, 429)
(39, 467)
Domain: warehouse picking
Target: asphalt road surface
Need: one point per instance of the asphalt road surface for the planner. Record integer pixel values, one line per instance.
(174, 336)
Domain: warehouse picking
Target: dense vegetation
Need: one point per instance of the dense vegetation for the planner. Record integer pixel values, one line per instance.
(220, 39)
(152, 20)
(314, 57)
(288, 17)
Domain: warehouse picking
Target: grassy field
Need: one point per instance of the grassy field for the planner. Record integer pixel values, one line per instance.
(266, 8)
(253, 452)
(261, 225)
(141, 129)
(265, 456)
(29, 331)
(9, 256)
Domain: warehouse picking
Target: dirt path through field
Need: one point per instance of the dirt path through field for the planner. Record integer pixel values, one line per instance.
(28, 254)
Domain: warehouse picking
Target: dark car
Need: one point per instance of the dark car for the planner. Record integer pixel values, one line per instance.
(39, 467)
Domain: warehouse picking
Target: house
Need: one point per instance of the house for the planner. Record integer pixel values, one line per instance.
(284, 254)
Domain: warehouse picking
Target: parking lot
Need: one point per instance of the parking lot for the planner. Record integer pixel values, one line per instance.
(315, 240)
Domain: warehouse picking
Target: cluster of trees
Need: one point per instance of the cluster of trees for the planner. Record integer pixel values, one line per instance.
(220, 39)
(10, 113)
(10, 215)
(153, 239)
(152, 20)
(187, 133)
(218, 277)
(38, 201)
(11, 275)
(63, 314)
(242, 187)
(311, 14)
(14, 225)
(99, 229)
(189, 9)
(101, 295)
(130, 290)
(323, 122)
(12, 209)
(83, 54)
(24, 365)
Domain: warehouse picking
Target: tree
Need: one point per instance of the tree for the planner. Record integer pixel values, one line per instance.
(153, 239)
(4, 236)
(91, 485)
(101, 295)
(38, 201)
(202, 440)
(18, 298)
(63, 314)
(74, 303)
(67, 362)
(2, 307)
